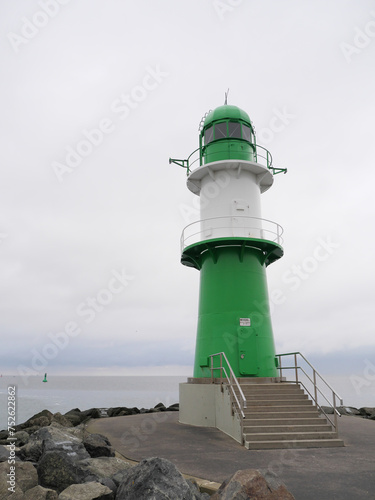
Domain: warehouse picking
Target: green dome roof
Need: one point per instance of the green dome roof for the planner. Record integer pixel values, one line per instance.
(226, 112)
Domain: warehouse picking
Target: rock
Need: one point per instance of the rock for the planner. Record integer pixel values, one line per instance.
(74, 416)
(26, 478)
(98, 446)
(92, 413)
(155, 478)
(22, 437)
(348, 410)
(50, 439)
(250, 483)
(4, 453)
(174, 407)
(60, 419)
(87, 491)
(99, 468)
(120, 411)
(41, 419)
(40, 493)
(58, 439)
(160, 407)
(57, 470)
(367, 411)
(327, 409)
(3, 437)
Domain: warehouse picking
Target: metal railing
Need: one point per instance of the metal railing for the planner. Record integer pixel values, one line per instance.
(238, 402)
(199, 156)
(231, 226)
(316, 390)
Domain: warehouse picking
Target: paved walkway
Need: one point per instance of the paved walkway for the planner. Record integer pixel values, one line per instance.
(319, 473)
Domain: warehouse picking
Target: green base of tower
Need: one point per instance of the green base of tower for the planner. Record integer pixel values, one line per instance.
(234, 314)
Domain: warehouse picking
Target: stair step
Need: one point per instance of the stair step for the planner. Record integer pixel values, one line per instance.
(289, 436)
(294, 444)
(270, 388)
(255, 429)
(277, 396)
(288, 413)
(283, 421)
(279, 402)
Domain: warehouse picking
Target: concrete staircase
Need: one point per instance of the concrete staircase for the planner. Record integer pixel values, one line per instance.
(280, 415)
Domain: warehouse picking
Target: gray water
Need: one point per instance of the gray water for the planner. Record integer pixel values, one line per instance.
(62, 393)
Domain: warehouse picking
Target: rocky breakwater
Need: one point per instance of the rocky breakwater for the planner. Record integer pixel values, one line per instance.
(53, 457)
(365, 412)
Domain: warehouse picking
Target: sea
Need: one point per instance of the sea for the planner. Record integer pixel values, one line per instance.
(63, 393)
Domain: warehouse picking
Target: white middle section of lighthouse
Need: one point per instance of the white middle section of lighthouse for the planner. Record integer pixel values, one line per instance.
(229, 194)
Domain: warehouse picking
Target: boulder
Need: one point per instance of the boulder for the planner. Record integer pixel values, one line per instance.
(327, 409)
(57, 470)
(40, 493)
(367, 411)
(98, 446)
(87, 491)
(174, 407)
(41, 419)
(74, 416)
(60, 419)
(91, 413)
(58, 439)
(348, 410)
(26, 478)
(22, 437)
(120, 411)
(155, 478)
(3, 437)
(99, 468)
(160, 407)
(250, 483)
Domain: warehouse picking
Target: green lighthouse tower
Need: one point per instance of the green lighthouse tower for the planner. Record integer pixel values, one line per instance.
(231, 245)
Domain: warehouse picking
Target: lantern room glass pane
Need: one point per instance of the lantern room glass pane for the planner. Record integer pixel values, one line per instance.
(234, 130)
(220, 130)
(209, 135)
(246, 133)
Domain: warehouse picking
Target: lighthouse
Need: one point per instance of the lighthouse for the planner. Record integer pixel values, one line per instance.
(231, 245)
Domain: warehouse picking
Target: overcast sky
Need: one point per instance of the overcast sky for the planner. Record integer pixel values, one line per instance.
(95, 98)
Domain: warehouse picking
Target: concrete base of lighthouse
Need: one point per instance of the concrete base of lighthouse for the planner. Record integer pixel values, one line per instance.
(204, 403)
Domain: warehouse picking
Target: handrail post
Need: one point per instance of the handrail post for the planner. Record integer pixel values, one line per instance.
(334, 409)
(281, 369)
(212, 369)
(296, 366)
(315, 388)
(221, 371)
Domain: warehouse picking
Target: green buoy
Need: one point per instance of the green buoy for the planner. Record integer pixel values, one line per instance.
(45, 378)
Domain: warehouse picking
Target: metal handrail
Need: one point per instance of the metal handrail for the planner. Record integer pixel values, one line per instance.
(274, 234)
(242, 404)
(314, 382)
(259, 153)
